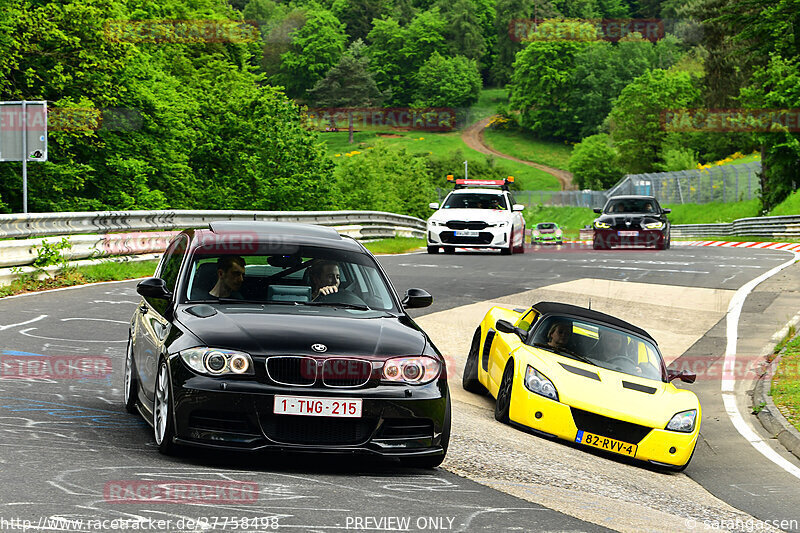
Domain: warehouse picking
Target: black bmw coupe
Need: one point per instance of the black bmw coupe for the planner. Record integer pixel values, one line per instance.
(273, 336)
(631, 221)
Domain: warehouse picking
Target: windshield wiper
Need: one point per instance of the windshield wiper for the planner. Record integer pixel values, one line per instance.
(360, 307)
(563, 351)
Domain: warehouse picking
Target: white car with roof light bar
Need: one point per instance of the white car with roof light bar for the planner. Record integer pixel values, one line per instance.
(475, 215)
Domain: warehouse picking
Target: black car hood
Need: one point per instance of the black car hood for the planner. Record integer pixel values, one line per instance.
(257, 332)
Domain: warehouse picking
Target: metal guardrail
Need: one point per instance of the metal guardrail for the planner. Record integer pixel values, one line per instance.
(106, 234)
(771, 227)
(44, 224)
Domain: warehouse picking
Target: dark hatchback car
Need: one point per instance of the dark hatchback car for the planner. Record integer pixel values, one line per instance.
(272, 368)
(631, 221)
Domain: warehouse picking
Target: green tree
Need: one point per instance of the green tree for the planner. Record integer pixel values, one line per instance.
(777, 86)
(357, 15)
(602, 70)
(594, 164)
(541, 84)
(447, 82)
(636, 122)
(314, 49)
(349, 84)
(509, 40)
(398, 52)
(463, 28)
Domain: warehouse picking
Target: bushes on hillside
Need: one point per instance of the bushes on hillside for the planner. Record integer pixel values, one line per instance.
(594, 163)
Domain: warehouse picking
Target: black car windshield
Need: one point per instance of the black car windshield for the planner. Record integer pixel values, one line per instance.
(475, 201)
(292, 278)
(600, 345)
(631, 205)
(546, 225)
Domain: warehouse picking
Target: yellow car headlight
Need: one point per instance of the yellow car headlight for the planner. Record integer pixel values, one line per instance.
(683, 422)
(654, 225)
(538, 383)
(601, 225)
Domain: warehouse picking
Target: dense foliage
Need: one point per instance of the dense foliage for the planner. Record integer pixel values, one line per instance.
(218, 123)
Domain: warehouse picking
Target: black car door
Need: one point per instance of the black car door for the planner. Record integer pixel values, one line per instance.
(152, 318)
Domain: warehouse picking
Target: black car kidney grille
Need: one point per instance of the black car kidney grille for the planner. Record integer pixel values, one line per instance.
(292, 370)
(346, 372)
(609, 427)
(461, 224)
(317, 430)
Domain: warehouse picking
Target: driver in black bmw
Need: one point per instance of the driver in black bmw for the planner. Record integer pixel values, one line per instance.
(311, 349)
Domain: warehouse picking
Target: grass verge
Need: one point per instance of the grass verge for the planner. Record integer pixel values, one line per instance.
(521, 145)
(714, 212)
(786, 383)
(108, 271)
(398, 245)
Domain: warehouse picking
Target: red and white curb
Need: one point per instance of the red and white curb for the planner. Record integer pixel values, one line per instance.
(787, 246)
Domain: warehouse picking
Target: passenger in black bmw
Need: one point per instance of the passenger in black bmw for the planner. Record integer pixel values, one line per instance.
(325, 279)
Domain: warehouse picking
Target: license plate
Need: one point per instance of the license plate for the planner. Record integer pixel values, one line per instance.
(466, 233)
(331, 407)
(604, 443)
(628, 233)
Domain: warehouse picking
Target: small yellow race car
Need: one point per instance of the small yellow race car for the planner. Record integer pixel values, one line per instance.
(587, 377)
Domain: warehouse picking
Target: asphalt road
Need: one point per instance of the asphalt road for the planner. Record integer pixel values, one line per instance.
(63, 442)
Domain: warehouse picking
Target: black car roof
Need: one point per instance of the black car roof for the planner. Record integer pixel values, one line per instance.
(557, 308)
(295, 233)
(632, 197)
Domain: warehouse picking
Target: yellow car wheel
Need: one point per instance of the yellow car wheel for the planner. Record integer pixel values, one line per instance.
(469, 381)
(503, 405)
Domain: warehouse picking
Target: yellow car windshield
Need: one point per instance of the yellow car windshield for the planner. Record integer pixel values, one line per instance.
(600, 345)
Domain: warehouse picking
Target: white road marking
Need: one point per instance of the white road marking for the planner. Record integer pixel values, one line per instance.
(608, 267)
(23, 323)
(25, 332)
(100, 319)
(728, 379)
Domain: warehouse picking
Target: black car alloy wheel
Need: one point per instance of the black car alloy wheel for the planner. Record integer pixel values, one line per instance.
(131, 385)
(163, 424)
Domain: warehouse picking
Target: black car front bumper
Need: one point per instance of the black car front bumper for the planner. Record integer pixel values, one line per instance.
(230, 413)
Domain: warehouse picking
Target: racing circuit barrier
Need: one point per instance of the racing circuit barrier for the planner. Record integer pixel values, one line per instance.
(771, 227)
(107, 234)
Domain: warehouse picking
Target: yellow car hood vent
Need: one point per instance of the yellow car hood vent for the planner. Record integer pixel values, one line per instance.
(581, 372)
(640, 388)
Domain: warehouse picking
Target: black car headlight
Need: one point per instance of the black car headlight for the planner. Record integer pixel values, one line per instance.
(415, 370)
(217, 362)
(538, 383)
(683, 422)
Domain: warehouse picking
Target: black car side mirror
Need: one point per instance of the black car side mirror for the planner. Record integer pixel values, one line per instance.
(684, 376)
(598, 210)
(504, 326)
(416, 298)
(154, 288)
(666, 211)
